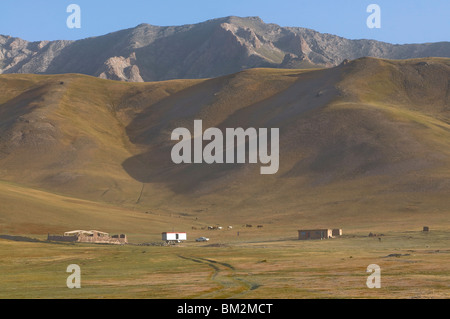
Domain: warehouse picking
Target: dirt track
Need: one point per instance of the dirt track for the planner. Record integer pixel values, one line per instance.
(224, 275)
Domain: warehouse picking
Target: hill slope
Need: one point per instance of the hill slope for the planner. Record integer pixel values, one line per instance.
(366, 140)
(209, 49)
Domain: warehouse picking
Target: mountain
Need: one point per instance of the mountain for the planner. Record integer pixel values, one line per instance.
(204, 50)
(368, 139)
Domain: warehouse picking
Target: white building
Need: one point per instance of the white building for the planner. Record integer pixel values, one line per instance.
(174, 236)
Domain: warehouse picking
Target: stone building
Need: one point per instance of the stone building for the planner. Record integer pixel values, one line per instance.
(89, 236)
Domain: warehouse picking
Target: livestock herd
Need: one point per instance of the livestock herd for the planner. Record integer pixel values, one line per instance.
(220, 227)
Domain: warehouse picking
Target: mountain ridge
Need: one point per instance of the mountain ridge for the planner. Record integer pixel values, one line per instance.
(208, 49)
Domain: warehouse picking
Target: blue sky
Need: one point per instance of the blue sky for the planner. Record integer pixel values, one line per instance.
(402, 21)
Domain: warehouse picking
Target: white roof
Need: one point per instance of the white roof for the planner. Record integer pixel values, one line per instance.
(86, 232)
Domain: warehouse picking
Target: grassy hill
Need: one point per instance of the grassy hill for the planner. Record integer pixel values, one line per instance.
(360, 144)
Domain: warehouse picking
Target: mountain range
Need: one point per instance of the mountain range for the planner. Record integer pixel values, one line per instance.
(86, 141)
(210, 49)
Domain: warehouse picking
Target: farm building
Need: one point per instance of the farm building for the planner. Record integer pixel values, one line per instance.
(177, 237)
(89, 236)
(319, 233)
(315, 234)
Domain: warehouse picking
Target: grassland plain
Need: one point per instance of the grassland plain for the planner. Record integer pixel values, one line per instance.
(241, 262)
(413, 265)
(363, 147)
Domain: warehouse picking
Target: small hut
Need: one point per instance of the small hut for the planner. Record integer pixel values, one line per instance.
(315, 234)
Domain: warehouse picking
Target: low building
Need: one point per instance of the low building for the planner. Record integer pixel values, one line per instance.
(89, 236)
(315, 234)
(174, 237)
(319, 233)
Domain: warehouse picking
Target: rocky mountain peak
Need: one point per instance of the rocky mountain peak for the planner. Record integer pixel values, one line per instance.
(212, 48)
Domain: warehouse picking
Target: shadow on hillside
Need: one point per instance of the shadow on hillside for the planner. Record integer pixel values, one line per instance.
(151, 129)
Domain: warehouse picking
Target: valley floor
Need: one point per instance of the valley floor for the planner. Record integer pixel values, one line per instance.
(413, 264)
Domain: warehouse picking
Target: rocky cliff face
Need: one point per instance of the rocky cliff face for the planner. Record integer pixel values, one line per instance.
(212, 48)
